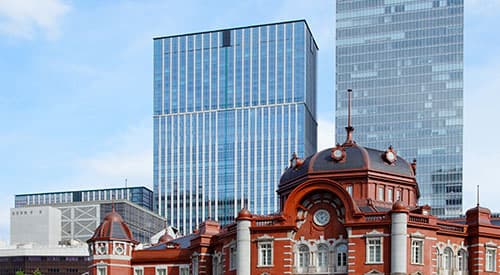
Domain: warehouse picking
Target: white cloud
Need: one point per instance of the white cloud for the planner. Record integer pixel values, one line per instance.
(24, 18)
(129, 156)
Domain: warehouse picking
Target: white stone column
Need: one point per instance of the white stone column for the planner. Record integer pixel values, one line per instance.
(243, 245)
(399, 241)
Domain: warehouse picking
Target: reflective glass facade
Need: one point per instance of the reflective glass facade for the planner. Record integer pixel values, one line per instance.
(404, 61)
(230, 107)
(141, 196)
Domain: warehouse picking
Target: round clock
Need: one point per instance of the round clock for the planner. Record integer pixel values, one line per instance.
(337, 154)
(321, 217)
(391, 157)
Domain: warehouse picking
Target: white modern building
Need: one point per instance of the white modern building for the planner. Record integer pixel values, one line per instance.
(40, 225)
(77, 221)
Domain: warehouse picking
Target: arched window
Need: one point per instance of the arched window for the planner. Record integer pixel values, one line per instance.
(303, 259)
(462, 260)
(322, 257)
(447, 259)
(217, 264)
(341, 258)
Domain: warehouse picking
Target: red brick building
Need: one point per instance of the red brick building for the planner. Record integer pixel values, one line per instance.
(345, 210)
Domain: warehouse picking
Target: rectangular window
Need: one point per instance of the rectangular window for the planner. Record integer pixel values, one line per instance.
(490, 259)
(374, 250)
(398, 195)
(232, 257)
(226, 38)
(389, 195)
(195, 265)
(101, 271)
(184, 270)
(349, 189)
(161, 271)
(381, 193)
(416, 251)
(265, 254)
(138, 271)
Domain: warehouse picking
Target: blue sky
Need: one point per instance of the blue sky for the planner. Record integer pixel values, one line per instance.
(76, 87)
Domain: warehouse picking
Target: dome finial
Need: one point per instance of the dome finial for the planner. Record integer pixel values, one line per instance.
(349, 129)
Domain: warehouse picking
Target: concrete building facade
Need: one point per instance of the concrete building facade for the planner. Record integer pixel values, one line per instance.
(40, 225)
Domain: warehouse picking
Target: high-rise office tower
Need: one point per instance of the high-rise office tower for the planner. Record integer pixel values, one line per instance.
(230, 108)
(404, 61)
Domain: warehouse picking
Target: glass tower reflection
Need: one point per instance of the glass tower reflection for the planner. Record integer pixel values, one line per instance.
(404, 61)
(230, 107)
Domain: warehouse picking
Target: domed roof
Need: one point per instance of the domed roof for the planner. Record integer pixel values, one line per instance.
(350, 157)
(244, 214)
(399, 206)
(113, 228)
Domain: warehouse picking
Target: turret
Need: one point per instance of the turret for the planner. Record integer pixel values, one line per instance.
(111, 247)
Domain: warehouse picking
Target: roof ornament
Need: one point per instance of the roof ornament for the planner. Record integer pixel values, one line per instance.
(349, 129)
(414, 166)
(295, 161)
(338, 153)
(390, 155)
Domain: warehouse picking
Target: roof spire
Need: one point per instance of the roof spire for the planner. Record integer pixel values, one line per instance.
(349, 129)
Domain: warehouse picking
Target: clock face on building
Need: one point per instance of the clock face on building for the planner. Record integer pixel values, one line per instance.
(321, 217)
(337, 154)
(391, 157)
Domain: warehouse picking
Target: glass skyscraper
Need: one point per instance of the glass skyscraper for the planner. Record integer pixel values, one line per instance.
(230, 108)
(404, 61)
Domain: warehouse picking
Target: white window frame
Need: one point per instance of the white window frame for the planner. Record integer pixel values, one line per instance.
(303, 258)
(161, 268)
(217, 263)
(184, 270)
(447, 260)
(266, 251)
(102, 270)
(195, 263)
(233, 252)
(139, 268)
(324, 255)
(380, 195)
(490, 257)
(417, 251)
(374, 247)
(341, 257)
(390, 194)
(462, 260)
